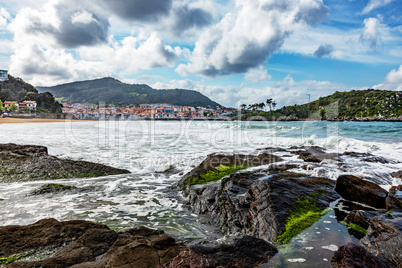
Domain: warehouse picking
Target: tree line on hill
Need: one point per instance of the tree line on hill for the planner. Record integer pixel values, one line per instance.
(15, 89)
(340, 105)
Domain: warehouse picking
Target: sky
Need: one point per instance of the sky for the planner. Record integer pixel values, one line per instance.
(233, 51)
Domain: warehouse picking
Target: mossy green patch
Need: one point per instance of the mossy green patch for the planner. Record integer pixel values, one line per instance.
(14, 258)
(216, 174)
(304, 214)
(355, 227)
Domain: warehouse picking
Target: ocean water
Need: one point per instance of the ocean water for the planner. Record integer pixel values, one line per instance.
(148, 148)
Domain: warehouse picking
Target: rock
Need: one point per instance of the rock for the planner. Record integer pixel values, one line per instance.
(87, 244)
(258, 204)
(394, 199)
(44, 233)
(361, 218)
(384, 237)
(31, 162)
(352, 256)
(246, 251)
(356, 189)
(314, 154)
(214, 160)
(52, 188)
(397, 174)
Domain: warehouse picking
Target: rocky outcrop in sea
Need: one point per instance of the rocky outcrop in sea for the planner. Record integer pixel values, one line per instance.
(32, 162)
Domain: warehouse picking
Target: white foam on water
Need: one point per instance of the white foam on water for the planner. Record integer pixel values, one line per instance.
(298, 260)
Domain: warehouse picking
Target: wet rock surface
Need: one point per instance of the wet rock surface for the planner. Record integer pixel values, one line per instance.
(356, 189)
(384, 237)
(352, 255)
(32, 162)
(87, 244)
(394, 199)
(258, 203)
(246, 251)
(52, 188)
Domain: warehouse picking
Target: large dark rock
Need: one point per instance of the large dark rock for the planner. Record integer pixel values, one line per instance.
(361, 218)
(397, 174)
(352, 256)
(214, 160)
(87, 244)
(31, 162)
(244, 252)
(394, 199)
(356, 189)
(314, 154)
(44, 233)
(384, 237)
(258, 204)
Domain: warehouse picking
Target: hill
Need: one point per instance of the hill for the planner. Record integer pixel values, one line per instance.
(370, 103)
(111, 91)
(15, 89)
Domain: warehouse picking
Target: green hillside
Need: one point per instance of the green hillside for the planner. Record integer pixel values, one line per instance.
(368, 103)
(112, 91)
(15, 89)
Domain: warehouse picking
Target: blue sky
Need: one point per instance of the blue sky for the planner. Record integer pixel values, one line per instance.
(233, 51)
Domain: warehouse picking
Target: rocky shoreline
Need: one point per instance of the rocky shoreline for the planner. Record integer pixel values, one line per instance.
(259, 200)
(32, 162)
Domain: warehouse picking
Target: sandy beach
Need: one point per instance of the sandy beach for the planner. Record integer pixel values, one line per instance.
(35, 120)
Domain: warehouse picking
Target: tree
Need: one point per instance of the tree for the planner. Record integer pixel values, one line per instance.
(269, 103)
(261, 105)
(323, 113)
(13, 107)
(1, 106)
(243, 107)
(274, 104)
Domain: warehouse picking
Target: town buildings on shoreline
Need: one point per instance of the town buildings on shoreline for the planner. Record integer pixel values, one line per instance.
(143, 111)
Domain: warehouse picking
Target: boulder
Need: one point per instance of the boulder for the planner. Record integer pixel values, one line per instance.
(352, 255)
(44, 233)
(356, 189)
(314, 154)
(258, 203)
(246, 251)
(31, 162)
(397, 174)
(361, 218)
(394, 199)
(87, 244)
(384, 237)
(52, 188)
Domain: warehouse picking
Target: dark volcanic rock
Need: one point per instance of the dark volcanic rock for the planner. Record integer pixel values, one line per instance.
(87, 244)
(394, 199)
(397, 174)
(314, 154)
(244, 252)
(30, 162)
(352, 256)
(361, 218)
(384, 237)
(356, 189)
(52, 188)
(44, 233)
(258, 204)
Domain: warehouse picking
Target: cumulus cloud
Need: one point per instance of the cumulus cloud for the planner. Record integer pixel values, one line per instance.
(374, 4)
(323, 50)
(371, 34)
(246, 38)
(139, 10)
(257, 75)
(233, 96)
(393, 80)
(185, 17)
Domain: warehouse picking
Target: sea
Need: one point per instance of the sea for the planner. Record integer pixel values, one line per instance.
(158, 153)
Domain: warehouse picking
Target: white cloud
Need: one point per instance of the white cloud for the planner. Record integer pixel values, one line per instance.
(374, 4)
(393, 80)
(371, 34)
(244, 39)
(82, 17)
(286, 92)
(256, 75)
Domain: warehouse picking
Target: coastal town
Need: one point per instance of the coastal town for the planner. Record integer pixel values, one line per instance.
(142, 111)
